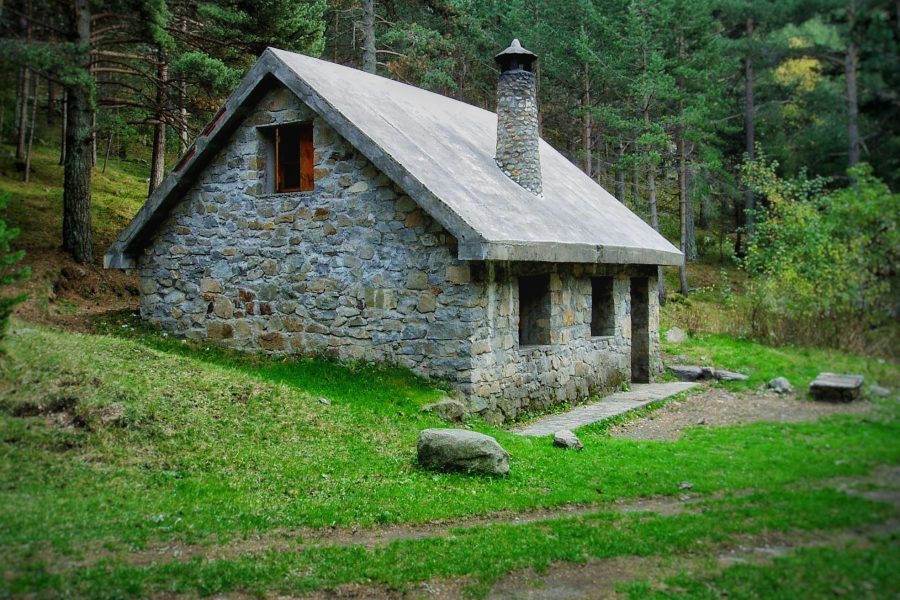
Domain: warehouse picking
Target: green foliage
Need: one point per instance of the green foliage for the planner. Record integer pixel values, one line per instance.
(822, 260)
(10, 270)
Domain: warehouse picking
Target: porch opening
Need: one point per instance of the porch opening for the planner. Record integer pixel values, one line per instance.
(640, 330)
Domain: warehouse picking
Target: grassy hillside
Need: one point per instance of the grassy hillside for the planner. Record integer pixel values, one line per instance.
(116, 443)
(37, 206)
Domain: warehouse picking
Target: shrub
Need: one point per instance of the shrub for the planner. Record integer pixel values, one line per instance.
(10, 272)
(822, 262)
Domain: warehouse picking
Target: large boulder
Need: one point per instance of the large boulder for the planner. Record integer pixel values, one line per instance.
(461, 450)
(833, 387)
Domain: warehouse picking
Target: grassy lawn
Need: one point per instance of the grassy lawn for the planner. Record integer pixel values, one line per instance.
(763, 363)
(869, 571)
(113, 443)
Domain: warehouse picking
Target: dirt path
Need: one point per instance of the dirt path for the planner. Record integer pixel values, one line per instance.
(715, 407)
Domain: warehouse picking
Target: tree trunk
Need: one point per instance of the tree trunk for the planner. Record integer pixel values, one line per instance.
(51, 101)
(654, 211)
(34, 104)
(183, 134)
(158, 161)
(851, 65)
(62, 131)
(108, 148)
(620, 172)
(77, 235)
(745, 216)
(22, 132)
(706, 209)
(692, 255)
(368, 26)
(635, 186)
(683, 204)
(586, 122)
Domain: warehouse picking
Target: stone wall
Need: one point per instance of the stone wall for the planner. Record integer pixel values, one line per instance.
(508, 378)
(353, 269)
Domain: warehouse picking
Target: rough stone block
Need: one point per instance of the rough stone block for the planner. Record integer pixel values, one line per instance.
(835, 387)
(461, 450)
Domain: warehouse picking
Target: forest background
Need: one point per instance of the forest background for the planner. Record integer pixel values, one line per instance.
(757, 133)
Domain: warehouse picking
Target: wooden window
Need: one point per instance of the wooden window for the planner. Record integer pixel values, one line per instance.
(603, 307)
(534, 310)
(294, 158)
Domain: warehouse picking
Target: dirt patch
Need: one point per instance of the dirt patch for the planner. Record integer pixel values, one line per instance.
(715, 407)
(67, 294)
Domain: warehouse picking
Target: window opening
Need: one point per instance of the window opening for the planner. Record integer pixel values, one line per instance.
(534, 310)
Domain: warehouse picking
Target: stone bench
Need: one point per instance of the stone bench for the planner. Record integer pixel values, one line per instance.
(832, 387)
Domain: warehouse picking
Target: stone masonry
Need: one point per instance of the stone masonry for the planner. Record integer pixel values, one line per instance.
(518, 143)
(355, 269)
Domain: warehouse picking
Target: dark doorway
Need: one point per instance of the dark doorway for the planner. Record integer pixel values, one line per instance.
(640, 330)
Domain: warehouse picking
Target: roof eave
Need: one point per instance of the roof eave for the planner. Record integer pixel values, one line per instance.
(560, 252)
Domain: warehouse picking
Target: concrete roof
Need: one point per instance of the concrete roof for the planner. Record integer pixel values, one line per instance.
(441, 152)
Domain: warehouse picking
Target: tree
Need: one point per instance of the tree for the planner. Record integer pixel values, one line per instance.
(78, 238)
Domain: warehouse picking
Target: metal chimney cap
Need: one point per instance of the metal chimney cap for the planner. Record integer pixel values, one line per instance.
(515, 49)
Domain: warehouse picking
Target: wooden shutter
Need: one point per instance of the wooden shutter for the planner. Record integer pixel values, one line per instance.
(307, 158)
(277, 159)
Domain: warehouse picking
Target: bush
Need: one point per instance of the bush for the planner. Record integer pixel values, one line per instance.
(10, 272)
(822, 263)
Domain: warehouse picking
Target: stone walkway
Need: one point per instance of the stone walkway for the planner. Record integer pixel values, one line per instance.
(641, 394)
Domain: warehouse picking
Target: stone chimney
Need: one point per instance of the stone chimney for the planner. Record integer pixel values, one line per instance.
(518, 149)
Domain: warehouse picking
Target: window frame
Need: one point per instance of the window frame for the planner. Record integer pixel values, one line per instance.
(305, 155)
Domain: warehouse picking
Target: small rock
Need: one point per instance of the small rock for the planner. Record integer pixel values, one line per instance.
(722, 375)
(323, 400)
(566, 439)
(450, 410)
(676, 335)
(780, 385)
(685, 485)
(830, 386)
(686, 372)
(461, 450)
(881, 392)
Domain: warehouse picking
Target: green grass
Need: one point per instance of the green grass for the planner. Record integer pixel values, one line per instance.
(36, 207)
(482, 554)
(214, 446)
(858, 572)
(763, 363)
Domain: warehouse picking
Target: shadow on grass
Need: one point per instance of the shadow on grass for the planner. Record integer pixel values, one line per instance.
(378, 385)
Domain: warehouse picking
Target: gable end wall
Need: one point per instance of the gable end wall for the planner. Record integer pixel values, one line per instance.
(354, 269)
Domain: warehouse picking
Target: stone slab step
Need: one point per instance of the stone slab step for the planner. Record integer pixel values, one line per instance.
(640, 394)
(834, 387)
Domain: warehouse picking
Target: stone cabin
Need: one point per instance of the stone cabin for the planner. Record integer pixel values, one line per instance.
(329, 211)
